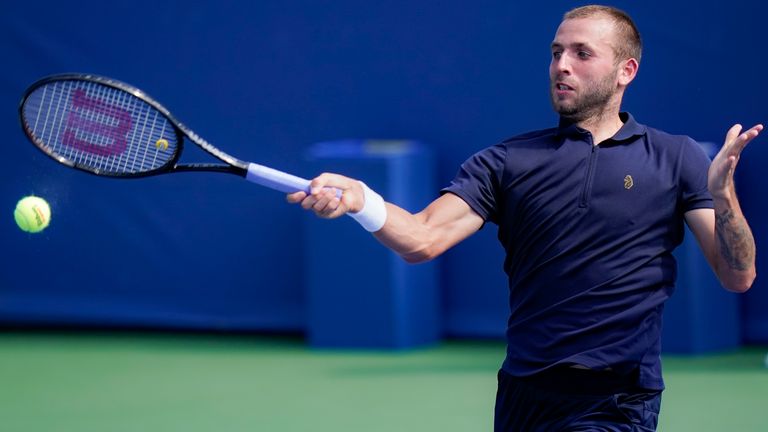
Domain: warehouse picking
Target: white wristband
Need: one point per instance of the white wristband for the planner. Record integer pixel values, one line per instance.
(374, 213)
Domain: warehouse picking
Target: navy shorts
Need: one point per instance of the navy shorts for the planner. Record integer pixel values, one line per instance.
(568, 399)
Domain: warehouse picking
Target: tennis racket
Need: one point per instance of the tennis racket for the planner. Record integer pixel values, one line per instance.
(109, 128)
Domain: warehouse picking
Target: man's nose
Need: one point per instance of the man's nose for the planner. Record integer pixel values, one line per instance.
(562, 65)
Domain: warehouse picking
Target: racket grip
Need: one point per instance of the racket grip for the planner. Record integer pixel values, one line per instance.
(278, 180)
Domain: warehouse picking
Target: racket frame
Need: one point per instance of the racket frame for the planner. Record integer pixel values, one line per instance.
(231, 165)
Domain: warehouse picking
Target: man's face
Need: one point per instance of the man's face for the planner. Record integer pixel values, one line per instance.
(583, 73)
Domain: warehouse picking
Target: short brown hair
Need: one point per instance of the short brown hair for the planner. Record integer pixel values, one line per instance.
(629, 44)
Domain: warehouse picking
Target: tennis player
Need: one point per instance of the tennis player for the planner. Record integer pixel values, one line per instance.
(588, 213)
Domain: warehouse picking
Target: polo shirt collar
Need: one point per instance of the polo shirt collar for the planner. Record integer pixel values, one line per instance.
(630, 129)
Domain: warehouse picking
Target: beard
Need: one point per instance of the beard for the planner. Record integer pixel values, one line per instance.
(592, 102)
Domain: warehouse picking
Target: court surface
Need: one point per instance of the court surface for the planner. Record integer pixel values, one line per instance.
(145, 381)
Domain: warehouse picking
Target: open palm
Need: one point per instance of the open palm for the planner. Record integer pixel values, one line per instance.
(720, 177)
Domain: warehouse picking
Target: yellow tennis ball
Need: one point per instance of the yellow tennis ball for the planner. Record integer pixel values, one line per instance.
(32, 214)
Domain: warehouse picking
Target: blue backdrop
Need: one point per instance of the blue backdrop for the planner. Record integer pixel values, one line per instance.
(264, 80)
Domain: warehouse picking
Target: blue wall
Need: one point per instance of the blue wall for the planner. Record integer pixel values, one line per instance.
(264, 80)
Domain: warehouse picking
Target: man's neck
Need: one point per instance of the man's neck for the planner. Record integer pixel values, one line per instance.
(602, 130)
(604, 124)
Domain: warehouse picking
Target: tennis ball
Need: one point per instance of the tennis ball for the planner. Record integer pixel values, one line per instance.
(32, 214)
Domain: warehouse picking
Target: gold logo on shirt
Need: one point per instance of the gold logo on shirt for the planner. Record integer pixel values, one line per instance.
(628, 182)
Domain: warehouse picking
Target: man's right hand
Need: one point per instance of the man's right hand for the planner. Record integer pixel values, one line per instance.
(322, 199)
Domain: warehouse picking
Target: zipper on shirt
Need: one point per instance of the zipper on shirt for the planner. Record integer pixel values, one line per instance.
(586, 191)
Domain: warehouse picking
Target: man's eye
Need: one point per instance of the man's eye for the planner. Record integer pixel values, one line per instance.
(557, 54)
(584, 54)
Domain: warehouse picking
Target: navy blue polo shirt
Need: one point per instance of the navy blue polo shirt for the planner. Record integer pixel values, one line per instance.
(588, 233)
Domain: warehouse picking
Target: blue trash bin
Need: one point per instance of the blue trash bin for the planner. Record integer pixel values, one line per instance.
(359, 293)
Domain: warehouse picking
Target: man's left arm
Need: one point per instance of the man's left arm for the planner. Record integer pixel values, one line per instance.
(723, 232)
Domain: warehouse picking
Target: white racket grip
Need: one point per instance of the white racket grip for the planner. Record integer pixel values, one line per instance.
(373, 216)
(278, 180)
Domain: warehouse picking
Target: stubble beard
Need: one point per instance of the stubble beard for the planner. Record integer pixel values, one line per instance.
(592, 103)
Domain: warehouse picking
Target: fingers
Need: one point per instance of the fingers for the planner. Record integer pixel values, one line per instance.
(735, 140)
(723, 167)
(321, 202)
(296, 197)
(324, 198)
(732, 134)
(730, 167)
(744, 138)
(324, 203)
(752, 133)
(328, 180)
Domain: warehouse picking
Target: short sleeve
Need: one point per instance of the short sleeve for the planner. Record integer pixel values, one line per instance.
(478, 182)
(693, 177)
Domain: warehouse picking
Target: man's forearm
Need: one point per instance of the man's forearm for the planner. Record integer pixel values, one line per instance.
(735, 246)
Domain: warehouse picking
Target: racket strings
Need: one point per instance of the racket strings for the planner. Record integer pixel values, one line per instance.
(99, 128)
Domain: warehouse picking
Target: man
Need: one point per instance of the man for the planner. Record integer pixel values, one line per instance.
(588, 213)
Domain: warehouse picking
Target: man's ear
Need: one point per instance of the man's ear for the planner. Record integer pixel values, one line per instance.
(628, 71)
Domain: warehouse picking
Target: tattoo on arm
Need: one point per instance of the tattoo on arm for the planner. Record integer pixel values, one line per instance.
(737, 247)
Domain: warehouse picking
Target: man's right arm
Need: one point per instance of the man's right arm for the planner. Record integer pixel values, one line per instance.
(415, 237)
(427, 234)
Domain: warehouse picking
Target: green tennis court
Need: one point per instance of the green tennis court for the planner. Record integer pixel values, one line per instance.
(130, 381)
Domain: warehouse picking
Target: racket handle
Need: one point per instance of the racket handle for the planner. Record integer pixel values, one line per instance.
(278, 180)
